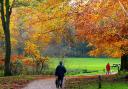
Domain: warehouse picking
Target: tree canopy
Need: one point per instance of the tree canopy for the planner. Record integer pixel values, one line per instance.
(104, 24)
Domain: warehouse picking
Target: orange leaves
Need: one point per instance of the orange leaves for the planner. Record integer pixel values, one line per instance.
(42, 21)
(95, 17)
(95, 52)
(14, 58)
(104, 25)
(28, 62)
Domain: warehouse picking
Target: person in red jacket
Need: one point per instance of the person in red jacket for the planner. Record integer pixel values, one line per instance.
(108, 69)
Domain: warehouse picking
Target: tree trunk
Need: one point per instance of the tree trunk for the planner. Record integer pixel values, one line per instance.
(42, 65)
(7, 70)
(7, 41)
(124, 62)
(6, 27)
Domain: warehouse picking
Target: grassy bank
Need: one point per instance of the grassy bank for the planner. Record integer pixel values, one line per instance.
(79, 66)
(84, 66)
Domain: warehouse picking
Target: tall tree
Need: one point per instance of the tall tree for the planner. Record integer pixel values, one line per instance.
(104, 24)
(42, 19)
(6, 10)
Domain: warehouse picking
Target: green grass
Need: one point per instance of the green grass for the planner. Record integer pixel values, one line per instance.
(107, 82)
(116, 85)
(105, 85)
(80, 66)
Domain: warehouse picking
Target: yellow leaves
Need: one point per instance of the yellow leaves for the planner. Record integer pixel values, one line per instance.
(45, 17)
(111, 31)
(13, 42)
(41, 23)
(46, 39)
(44, 59)
(33, 50)
(30, 48)
(37, 54)
(42, 39)
(53, 3)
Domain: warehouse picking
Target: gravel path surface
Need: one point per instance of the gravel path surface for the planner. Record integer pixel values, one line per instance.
(42, 84)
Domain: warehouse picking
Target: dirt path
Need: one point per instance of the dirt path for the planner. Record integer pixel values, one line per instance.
(49, 83)
(42, 84)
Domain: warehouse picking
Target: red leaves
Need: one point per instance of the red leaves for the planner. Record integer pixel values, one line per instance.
(14, 58)
(28, 62)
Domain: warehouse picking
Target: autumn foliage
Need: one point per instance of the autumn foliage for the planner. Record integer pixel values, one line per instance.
(34, 25)
(104, 24)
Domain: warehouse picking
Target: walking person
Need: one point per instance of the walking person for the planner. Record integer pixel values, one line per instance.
(108, 69)
(59, 73)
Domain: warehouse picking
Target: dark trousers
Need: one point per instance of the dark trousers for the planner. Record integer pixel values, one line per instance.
(59, 81)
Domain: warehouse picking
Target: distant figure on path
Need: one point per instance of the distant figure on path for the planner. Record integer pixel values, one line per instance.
(108, 69)
(60, 71)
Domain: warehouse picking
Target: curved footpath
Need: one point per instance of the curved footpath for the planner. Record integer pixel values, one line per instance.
(49, 83)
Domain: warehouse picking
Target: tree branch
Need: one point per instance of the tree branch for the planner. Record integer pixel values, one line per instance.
(12, 7)
(123, 8)
(47, 32)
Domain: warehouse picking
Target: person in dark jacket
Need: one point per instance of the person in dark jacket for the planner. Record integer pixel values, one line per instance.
(60, 71)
